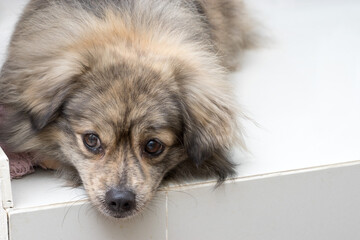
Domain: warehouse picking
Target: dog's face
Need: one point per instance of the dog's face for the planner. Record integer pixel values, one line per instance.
(122, 135)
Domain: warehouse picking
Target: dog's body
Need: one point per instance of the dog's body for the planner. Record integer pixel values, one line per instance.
(124, 92)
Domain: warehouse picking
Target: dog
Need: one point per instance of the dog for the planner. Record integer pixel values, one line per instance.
(125, 93)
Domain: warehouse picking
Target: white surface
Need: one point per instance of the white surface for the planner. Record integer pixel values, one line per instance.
(303, 86)
(44, 188)
(309, 205)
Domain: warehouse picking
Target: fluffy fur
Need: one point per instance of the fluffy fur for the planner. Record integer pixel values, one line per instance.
(128, 71)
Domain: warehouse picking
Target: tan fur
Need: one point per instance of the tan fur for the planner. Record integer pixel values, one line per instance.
(128, 71)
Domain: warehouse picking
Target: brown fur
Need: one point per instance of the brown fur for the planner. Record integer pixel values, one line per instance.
(128, 71)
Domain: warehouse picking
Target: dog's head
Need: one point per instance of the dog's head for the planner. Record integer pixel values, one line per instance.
(123, 126)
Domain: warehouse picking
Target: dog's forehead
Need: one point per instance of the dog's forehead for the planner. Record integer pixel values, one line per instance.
(130, 82)
(122, 97)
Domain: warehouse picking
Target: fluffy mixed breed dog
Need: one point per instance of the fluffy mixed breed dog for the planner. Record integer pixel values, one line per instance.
(125, 93)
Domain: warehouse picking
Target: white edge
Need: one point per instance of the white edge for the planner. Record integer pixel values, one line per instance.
(5, 183)
(195, 185)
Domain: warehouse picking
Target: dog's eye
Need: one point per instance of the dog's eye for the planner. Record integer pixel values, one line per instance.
(154, 147)
(92, 142)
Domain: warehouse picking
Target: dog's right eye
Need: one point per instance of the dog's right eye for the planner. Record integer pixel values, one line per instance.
(92, 142)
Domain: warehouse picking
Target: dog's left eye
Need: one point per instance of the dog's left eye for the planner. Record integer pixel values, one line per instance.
(92, 142)
(154, 147)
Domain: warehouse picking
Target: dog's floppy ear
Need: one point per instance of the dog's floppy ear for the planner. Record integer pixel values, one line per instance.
(39, 89)
(210, 120)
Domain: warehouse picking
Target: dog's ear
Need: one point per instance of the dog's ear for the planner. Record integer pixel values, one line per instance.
(210, 120)
(39, 89)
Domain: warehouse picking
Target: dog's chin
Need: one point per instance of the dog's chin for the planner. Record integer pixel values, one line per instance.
(116, 215)
(121, 216)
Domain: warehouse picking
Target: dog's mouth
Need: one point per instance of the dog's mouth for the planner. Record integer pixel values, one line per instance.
(121, 215)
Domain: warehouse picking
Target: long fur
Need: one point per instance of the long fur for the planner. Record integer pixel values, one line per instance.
(127, 70)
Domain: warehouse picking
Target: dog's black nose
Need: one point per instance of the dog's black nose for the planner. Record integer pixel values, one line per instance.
(120, 201)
